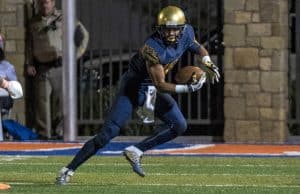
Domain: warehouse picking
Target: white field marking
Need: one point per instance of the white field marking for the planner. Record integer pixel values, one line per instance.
(211, 185)
(9, 158)
(47, 149)
(292, 153)
(31, 183)
(19, 183)
(112, 152)
(42, 143)
(179, 174)
(219, 174)
(60, 163)
(222, 154)
(193, 147)
(154, 164)
(170, 184)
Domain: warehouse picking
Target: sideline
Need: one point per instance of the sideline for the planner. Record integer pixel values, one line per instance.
(169, 149)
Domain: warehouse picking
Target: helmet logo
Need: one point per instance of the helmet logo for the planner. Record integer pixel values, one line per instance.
(171, 23)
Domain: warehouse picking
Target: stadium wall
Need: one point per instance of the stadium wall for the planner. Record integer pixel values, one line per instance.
(256, 70)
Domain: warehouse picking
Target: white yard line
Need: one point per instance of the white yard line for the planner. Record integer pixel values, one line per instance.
(178, 174)
(192, 147)
(18, 157)
(151, 164)
(170, 184)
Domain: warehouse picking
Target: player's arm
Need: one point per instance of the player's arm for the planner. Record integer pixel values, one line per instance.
(209, 67)
(157, 74)
(156, 70)
(81, 39)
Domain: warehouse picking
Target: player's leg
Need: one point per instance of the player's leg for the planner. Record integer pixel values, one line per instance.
(121, 111)
(175, 124)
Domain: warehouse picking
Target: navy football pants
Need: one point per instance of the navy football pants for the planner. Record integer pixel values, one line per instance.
(131, 94)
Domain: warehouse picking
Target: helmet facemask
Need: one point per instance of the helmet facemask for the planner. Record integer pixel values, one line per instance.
(170, 34)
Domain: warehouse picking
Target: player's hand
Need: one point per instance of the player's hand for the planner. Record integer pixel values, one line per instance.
(31, 71)
(212, 71)
(196, 85)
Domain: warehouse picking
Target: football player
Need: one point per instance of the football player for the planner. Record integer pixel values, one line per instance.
(150, 64)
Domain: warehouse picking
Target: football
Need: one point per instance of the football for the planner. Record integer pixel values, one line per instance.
(188, 74)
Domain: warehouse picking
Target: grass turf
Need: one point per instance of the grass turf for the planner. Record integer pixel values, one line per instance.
(102, 174)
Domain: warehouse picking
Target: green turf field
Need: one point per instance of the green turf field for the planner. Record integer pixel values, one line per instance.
(164, 175)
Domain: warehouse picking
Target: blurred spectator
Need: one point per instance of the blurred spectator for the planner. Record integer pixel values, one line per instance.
(44, 63)
(8, 79)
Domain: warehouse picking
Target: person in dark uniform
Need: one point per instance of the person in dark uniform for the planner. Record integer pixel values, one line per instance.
(150, 64)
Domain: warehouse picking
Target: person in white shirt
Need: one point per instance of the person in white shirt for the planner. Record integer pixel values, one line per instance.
(8, 79)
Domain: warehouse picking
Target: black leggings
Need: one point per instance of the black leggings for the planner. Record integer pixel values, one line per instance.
(6, 103)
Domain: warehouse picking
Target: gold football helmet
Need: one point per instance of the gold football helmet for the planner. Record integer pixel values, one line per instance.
(170, 23)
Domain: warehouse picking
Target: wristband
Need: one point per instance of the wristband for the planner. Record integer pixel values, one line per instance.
(181, 88)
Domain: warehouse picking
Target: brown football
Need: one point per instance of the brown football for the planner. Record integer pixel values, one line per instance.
(184, 75)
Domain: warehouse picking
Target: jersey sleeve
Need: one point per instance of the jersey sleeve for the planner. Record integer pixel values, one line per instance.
(194, 45)
(149, 54)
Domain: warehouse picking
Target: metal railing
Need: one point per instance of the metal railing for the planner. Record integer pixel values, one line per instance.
(127, 24)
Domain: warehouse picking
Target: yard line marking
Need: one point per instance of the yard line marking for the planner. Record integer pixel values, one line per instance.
(47, 149)
(176, 174)
(169, 184)
(220, 174)
(292, 153)
(154, 164)
(220, 154)
(19, 183)
(193, 147)
(56, 163)
(112, 152)
(18, 157)
(211, 185)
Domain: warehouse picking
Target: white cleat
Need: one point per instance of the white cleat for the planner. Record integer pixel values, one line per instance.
(64, 176)
(134, 155)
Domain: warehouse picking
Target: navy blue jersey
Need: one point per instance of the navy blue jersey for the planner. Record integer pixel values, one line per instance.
(155, 51)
